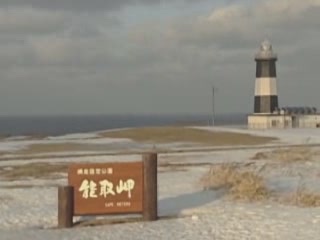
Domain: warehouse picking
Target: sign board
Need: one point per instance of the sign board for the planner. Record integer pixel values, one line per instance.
(107, 188)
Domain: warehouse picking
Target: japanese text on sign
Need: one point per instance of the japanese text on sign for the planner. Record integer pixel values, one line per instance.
(89, 188)
(94, 171)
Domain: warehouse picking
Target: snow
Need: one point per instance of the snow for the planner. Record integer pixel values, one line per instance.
(20, 145)
(286, 137)
(74, 136)
(10, 146)
(289, 136)
(31, 212)
(122, 158)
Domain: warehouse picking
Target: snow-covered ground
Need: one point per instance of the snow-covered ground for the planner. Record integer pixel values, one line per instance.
(12, 145)
(18, 143)
(113, 145)
(28, 207)
(288, 136)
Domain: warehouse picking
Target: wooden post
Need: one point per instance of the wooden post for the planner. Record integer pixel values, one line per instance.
(150, 196)
(65, 207)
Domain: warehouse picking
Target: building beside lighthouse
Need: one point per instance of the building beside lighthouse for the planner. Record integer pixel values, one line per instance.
(266, 111)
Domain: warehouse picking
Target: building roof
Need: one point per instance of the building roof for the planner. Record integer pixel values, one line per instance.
(298, 110)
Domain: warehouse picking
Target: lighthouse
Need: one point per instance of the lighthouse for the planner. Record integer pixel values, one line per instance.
(267, 113)
(265, 95)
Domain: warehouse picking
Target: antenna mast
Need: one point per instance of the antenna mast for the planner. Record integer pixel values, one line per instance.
(213, 89)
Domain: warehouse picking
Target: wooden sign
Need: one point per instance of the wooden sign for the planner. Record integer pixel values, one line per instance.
(107, 188)
(110, 188)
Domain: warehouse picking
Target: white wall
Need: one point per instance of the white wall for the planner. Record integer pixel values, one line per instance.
(269, 121)
(282, 121)
(308, 121)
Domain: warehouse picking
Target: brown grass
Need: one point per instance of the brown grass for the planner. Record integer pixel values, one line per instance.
(25, 186)
(302, 197)
(3, 153)
(33, 170)
(27, 137)
(5, 198)
(124, 220)
(47, 170)
(154, 135)
(166, 166)
(292, 154)
(248, 186)
(239, 185)
(56, 147)
(181, 134)
(4, 136)
(306, 198)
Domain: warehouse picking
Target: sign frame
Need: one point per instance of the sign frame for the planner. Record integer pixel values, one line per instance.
(110, 189)
(67, 196)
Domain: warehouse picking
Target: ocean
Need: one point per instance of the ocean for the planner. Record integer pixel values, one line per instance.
(60, 125)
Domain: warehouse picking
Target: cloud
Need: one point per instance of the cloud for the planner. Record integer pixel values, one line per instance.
(30, 20)
(238, 25)
(218, 48)
(84, 5)
(66, 62)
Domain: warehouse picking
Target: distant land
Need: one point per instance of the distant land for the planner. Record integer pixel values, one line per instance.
(59, 125)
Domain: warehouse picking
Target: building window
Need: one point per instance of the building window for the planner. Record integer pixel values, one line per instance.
(273, 123)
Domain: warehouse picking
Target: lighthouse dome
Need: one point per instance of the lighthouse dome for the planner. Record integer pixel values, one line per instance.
(265, 52)
(266, 46)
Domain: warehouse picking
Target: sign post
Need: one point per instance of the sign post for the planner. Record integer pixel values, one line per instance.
(65, 207)
(110, 188)
(150, 209)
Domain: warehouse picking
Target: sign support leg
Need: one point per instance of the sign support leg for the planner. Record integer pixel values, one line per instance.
(150, 197)
(65, 207)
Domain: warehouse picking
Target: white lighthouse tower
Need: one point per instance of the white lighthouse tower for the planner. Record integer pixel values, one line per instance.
(266, 112)
(265, 95)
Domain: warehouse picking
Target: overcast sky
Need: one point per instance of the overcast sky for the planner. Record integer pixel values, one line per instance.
(152, 56)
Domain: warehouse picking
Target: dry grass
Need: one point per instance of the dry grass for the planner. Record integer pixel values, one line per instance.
(35, 137)
(3, 153)
(154, 135)
(27, 137)
(124, 220)
(56, 147)
(302, 197)
(26, 186)
(293, 154)
(181, 134)
(5, 198)
(183, 164)
(32, 170)
(246, 185)
(47, 170)
(166, 166)
(240, 185)
(4, 136)
(305, 198)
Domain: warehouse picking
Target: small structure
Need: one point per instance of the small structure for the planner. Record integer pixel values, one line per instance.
(267, 113)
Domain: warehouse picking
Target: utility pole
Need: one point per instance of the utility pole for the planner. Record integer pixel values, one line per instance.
(213, 89)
